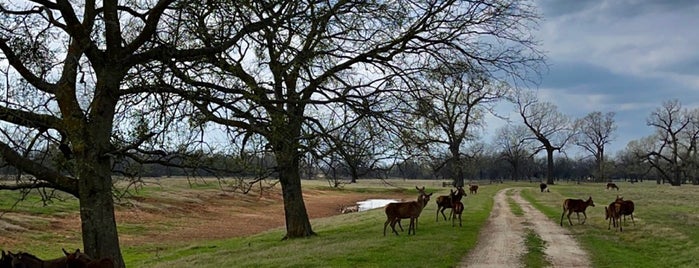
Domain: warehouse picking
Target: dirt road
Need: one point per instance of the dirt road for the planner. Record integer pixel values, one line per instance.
(501, 241)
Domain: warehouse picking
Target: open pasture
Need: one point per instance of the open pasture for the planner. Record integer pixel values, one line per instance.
(170, 224)
(665, 233)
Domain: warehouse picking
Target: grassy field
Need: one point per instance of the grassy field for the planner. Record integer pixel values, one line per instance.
(665, 233)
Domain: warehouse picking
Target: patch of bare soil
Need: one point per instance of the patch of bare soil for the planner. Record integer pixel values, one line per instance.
(190, 215)
(501, 241)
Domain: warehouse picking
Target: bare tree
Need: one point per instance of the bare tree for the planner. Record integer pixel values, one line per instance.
(72, 94)
(673, 125)
(592, 133)
(449, 112)
(548, 126)
(515, 147)
(308, 56)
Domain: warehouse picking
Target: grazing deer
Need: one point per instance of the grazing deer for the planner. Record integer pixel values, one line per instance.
(612, 185)
(456, 206)
(472, 189)
(577, 206)
(543, 187)
(405, 210)
(444, 202)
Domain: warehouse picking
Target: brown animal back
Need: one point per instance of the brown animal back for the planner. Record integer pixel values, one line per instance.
(576, 205)
(403, 209)
(627, 207)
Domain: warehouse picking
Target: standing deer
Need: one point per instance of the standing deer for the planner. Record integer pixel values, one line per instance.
(456, 206)
(577, 206)
(405, 210)
(444, 202)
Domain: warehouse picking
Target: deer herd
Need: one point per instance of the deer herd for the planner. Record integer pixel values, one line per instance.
(412, 210)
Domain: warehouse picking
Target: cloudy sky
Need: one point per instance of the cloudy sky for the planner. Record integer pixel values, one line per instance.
(621, 56)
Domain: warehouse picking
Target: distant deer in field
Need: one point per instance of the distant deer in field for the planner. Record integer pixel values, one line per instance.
(543, 187)
(456, 206)
(472, 189)
(612, 185)
(577, 206)
(444, 202)
(405, 210)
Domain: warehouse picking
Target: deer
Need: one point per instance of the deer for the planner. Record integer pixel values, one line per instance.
(405, 210)
(612, 214)
(444, 202)
(577, 206)
(456, 206)
(543, 187)
(626, 208)
(612, 185)
(472, 188)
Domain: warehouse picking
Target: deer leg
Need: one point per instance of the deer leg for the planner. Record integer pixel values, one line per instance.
(386, 225)
(412, 226)
(585, 219)
(569, 221)
(393, 225)
(400, 225)
(445, 216)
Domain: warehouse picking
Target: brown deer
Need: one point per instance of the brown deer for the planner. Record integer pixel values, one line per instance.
(612, 215)
(577, 206)
(456, 206)
(472, 189)
(626, 209)
(405, 210)
(612, 185)
(78, 259)
(444, 202)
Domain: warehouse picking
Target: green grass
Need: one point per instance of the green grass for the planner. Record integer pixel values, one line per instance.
(665, 234)
(348, 240)
(535, 257)
(514, 207)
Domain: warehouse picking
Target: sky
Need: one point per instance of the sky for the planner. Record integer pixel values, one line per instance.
(620, 56)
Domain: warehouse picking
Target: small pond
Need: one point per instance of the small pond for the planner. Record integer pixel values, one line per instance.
(374, 203)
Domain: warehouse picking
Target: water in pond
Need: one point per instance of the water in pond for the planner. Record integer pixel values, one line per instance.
(374, 203)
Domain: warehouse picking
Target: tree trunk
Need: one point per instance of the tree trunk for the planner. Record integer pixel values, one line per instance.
(288, 159)
(297, 222)
(549, 166)
(99, 231)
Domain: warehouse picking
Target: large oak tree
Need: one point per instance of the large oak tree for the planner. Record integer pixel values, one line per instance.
(312, 56)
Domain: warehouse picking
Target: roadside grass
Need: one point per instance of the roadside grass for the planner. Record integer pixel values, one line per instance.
(514, 207)
(665, 233)
(535, 256)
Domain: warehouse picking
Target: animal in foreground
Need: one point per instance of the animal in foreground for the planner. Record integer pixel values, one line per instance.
(78, 259)
(626, 208)
(26, 260)
(612, 215)
(406, 210)
(444, 202)
(612, 186)
(577, 206)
